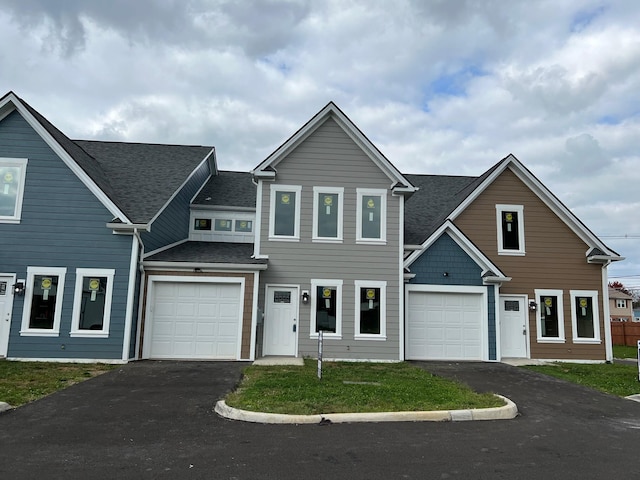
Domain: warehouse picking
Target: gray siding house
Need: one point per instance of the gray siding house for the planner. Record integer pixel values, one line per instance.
(119, 251)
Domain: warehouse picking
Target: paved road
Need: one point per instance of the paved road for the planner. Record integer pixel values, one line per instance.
(151, 420)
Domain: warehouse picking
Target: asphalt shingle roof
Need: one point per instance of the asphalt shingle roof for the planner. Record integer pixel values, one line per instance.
(208, 252)
(229, 189)
(143, 176)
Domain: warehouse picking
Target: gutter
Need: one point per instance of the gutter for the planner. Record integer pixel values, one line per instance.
(204, 267)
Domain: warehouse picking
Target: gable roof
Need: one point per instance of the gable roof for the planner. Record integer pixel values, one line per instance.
(134, 181)
(267, 168)
(615, 293)
(228, 189)
(454, 201)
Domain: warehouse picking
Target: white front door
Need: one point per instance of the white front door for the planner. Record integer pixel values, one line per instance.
(513, 326)
(6, 307)
(281, 321)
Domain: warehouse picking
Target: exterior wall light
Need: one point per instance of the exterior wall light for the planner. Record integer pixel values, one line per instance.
(533, 306)
(18, 288)
(305, 296)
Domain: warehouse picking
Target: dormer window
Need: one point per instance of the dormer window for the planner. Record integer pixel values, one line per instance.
(510, 223)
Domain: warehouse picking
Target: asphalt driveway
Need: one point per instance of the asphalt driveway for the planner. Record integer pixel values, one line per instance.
(156, 420)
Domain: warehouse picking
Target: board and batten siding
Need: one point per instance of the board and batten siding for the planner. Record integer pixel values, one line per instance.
(172, 225)
(62, 225)
(555, 259)
(445, 255)
(330, 158)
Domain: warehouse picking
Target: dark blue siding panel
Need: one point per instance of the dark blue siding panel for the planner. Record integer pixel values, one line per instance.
(446, 256)
(63, 225)
(172, 225)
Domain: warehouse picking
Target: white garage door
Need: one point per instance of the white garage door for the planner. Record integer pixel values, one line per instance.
(195, 320)
(444, 326)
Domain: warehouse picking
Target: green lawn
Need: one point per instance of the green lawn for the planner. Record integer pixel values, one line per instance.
(617, 379)
(622, 351)
(351, 387)
(23, 382)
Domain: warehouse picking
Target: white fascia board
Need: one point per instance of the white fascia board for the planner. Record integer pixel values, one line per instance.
(463, 242)
(332, 111)
(221, 208)
(204, 267)
(65, 157)
(128, 227)
(543, 193)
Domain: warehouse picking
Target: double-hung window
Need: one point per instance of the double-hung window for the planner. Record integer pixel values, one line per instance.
(284, 214)
(510, 223)
(326, 308)
(370, 309)
(550, 316)
(371, 216)
(327, 214)
(43, 301)
(621, 303)
(92, 303)
(584, 316)
(12, 177)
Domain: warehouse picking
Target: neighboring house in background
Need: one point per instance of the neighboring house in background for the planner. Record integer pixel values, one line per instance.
(170, 258)
(636, 315)
(620, 306)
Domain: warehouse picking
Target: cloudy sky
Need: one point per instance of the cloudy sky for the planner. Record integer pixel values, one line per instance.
(440, 86)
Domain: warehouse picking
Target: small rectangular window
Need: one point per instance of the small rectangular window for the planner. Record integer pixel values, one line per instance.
(3, 288)
(510, 234)
(202, 224)
(621, 303)
(223, 225)
(281, 297)
(43, 301)
(244, 225)
(510, 223)
(511, 306)
(92, 302)
(584, 316)
(371, 216)
(12, 181)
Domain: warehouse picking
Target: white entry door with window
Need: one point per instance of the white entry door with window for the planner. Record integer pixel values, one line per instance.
(6, 306)
(281, 321)
(513, 326)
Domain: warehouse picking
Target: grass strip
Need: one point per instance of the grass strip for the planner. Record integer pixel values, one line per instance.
(623, 351)
(351, 387)
(24, 382)
(617, 379)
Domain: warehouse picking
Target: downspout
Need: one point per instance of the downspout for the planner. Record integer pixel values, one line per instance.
(137, 250)
(607, 313)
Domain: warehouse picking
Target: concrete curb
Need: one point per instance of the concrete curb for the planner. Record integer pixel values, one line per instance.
(4, 406)
(506, 412)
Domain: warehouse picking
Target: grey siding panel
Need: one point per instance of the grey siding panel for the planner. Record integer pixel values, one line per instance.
(446, 256)
(172, 225)
(63, 225)
(330, 158)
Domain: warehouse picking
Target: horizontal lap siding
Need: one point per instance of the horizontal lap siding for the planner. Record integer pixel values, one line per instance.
(330, 158)
(555, 259)
(62, 225)
(172, 225)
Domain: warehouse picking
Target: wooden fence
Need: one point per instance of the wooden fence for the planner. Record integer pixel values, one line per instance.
(625, 333)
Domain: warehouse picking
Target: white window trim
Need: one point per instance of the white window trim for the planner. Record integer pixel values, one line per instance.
(382, 193)
(561, 335)
(20, 163)
(621, 303)
(334, 191)
(272, 212)
(315, 283)
(383, 310)
(519, 209)
(81, 274)
(25, 331)
(596, 316)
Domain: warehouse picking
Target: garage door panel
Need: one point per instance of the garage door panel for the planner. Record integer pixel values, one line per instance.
(444, 326)
(195, 320)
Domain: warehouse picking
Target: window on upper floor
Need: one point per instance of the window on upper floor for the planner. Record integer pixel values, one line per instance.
(550, 316)
(371, 216)
(621, 303)
(202, 224)
(43, 301)
(92, 303)
(327, 214)
(284, 214)
(584, 316)
(370, 310)
(223, 225)
(244, 226)
(12, 178)
(326, 307)
(510, 223)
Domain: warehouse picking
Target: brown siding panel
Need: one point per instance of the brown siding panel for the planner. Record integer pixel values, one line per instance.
(555, 259)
